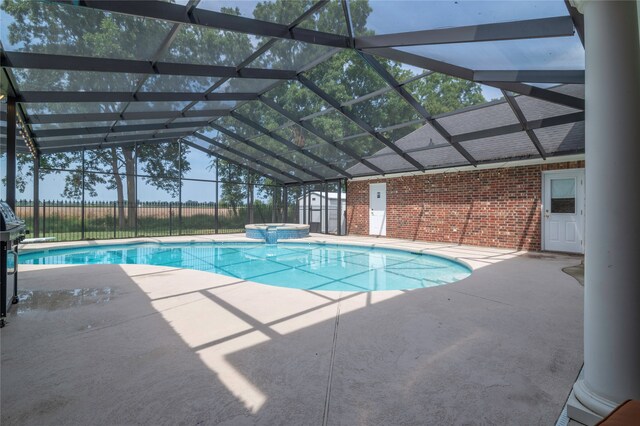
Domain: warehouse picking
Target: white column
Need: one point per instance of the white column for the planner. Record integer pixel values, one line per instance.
(612, 256)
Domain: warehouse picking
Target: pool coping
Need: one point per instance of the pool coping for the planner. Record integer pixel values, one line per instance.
(285, 226)
(473, 257)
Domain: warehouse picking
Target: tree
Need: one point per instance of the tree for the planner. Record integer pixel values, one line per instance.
(55, 28)
(233, 193)
(345, 76)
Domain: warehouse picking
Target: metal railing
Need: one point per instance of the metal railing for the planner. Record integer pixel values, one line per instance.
(71, 220)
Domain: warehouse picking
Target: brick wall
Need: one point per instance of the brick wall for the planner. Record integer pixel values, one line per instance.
(494, 207)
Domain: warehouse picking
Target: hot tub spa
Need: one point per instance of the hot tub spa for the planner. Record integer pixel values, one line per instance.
(272, 232)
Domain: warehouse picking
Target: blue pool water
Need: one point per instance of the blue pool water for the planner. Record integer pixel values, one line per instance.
(302, 266)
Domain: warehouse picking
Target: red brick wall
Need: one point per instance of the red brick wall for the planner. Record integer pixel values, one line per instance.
(494, 207)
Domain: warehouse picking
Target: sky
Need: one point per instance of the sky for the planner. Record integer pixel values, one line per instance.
(52, 186)
(411, 15)
(401, 16)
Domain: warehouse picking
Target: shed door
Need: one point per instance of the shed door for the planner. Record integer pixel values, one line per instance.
(378, 209)
(563, 215)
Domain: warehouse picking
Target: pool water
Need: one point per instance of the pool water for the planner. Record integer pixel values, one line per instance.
(302, 266)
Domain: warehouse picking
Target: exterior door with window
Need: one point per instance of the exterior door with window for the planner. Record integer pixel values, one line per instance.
(563, 211)
(378, 209)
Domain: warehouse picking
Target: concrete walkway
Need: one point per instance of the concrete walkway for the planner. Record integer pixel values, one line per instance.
(136, 344)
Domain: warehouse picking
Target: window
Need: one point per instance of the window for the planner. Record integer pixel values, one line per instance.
(563, 196)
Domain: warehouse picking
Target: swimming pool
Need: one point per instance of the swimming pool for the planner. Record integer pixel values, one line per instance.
(294, 265)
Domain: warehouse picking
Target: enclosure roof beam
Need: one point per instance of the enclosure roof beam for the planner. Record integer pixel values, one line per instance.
(539, 93)
(110, 116)
(289, 144)
(523, 122)
(234, 151)
(411, 150)
(225, 158)
(528, 76)
(116, 129)
(247, 157)
(80, 63)
(370, 95)
(175, 13)
(578, 19)
(359, 122)
(417, 106)
(160, 51)
(349, 102)
(559, 26)
(45, 96)
(264, 48)
(453, 166)
(573, 117)
(264, 150)
(95, 144)
(119, 138)
(229, 160)
(7, 76)
(311, 129)
(347, 17)
(468, 74)
(386, 129)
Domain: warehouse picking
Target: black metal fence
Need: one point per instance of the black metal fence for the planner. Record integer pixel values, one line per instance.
(69, 220)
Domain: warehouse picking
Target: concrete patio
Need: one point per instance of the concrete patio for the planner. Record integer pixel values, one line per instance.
(136, 344)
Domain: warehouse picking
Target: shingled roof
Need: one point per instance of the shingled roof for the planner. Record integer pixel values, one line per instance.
(508, 143)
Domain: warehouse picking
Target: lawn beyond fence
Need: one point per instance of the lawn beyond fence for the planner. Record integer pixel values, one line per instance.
(69, 221)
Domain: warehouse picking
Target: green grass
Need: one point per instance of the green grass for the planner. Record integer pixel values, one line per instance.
(65, 222)
(76, 236)
(70, 229)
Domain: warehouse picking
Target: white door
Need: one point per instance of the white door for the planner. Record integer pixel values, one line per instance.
(563, 211)
(378, 209)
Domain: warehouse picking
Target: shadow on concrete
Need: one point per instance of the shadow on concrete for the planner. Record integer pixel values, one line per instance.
(104, 361)
(500, 347)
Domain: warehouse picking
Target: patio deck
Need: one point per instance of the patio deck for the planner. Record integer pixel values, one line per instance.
(156, 345)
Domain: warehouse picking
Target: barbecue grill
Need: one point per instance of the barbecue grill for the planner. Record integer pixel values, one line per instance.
(12, 231)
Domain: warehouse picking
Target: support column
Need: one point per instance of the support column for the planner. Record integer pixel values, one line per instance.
(612, 287)
(285, 198)
(36, 195)
(310, 211)
(179, 188)
(304, 204)
(82, 206)
(339, 208)
(135, 177)
(11, 152)
(215, 213)
(326, 207)
(346, 205)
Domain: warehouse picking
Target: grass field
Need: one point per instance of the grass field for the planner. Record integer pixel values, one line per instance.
(64, 221)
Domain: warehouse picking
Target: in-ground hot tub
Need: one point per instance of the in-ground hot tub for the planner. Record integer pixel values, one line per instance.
(272, 232)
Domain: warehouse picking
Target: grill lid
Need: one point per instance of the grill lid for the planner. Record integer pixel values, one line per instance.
(11, 227)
